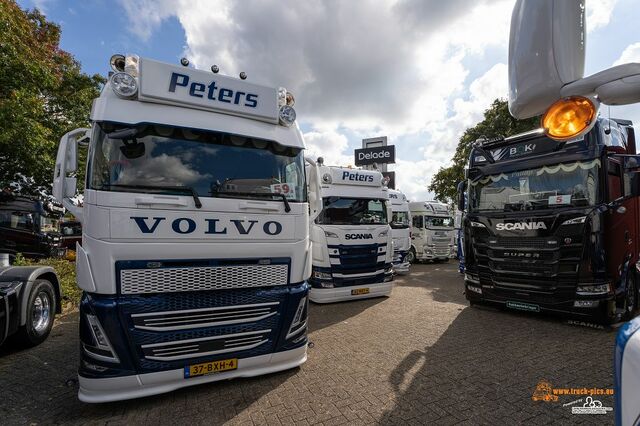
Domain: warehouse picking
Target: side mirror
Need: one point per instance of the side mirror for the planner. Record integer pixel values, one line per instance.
(64, 186)
(631, 180)
(462, 187)
(313, 189)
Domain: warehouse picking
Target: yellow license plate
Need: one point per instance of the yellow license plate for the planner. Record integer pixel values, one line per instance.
(210, 367)
(358, 291)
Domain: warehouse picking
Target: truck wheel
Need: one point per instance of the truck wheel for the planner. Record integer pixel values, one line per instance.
(411, 256)
(41, 309)
(630, 299)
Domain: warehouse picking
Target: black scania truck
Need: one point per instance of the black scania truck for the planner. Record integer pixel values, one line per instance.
(553, 225)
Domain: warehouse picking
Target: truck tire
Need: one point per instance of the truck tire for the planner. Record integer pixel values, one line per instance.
(41, 310)
(411, 256)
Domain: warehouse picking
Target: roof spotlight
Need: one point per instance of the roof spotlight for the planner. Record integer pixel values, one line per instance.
(184, 62)
(215, 69)
(243, 75)
(117, 63)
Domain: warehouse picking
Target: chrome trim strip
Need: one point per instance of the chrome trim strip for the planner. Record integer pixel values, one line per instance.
(302, 327)
(204, 339)
(200, 354)
(204, 324)
(365, 274)
(205, 309)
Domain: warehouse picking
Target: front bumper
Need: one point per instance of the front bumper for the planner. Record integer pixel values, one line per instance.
(435, 253)
(341, 294)
(593, 307)
(140, 385)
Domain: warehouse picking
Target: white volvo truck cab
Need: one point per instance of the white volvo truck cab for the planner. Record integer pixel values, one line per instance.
(352, 245)
(195, 249)
(432, 232)
(400, 231)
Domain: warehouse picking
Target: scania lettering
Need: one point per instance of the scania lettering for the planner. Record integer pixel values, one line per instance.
(400, 231)
(432, 232)
(352, 246)
(195, 252)
(520, 226)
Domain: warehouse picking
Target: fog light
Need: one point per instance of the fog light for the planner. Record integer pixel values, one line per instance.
(585, 303)
(124, 85)
(287, 115)
(474, 289)
(322, 275)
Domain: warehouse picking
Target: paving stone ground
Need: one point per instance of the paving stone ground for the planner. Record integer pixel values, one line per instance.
(422, 356)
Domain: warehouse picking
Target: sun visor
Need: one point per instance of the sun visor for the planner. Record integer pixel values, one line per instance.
(546, 52)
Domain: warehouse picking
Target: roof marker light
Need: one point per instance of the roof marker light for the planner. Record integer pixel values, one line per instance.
(569, 118)
(117, 62)
(215, 69)
(184, 62)
(243, 75)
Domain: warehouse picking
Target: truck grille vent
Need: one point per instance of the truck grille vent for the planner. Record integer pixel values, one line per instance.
(207, 346)
(139, 281)
(206, 317)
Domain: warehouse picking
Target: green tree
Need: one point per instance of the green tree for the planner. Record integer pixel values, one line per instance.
(43, 95)
(497, 122)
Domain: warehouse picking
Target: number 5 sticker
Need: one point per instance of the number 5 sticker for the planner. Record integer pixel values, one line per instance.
(284, 188)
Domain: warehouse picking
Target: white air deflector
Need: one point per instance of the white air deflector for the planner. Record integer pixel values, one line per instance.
(163, 280)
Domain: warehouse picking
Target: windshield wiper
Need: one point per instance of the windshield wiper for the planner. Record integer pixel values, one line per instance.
(182, 189)
(287, 207)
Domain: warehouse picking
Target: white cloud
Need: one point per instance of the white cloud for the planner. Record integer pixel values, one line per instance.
(399, 68)
(598, 13)
(630, 54)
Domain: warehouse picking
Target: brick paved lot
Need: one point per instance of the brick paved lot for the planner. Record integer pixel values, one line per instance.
(422, 356)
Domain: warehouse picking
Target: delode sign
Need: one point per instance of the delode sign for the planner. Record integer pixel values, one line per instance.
(379, 154)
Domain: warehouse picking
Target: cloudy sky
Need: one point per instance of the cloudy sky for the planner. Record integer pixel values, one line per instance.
(417, 71)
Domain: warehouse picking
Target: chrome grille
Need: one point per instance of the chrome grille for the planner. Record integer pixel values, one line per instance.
(163, 280)
(205, 317)
(215, 345)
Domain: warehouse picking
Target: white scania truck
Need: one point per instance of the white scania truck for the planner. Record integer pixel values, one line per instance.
(400, 231)
(432, 232)
(352, 248)
(195, 250)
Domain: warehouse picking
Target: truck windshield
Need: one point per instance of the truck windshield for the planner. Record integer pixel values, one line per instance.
(438, 222)
(400, 220)
(209, 163)
(559, 185)
(352, 211)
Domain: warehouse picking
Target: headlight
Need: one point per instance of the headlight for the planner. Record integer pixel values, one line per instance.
(592, 289)
(322, 275)
(124, 85)
(330, 234)
(287, 115)
(575, 220)
(477, 224)
(102, 350)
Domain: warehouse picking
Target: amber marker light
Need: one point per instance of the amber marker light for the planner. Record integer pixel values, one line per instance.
(569, 117)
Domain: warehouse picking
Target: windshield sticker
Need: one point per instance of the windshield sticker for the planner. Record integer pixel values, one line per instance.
(288, 189)
(560, 199)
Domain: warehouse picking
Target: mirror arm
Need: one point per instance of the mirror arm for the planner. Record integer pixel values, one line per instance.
(73, 209)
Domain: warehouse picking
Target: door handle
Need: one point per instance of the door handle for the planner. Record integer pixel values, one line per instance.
(160, 200)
